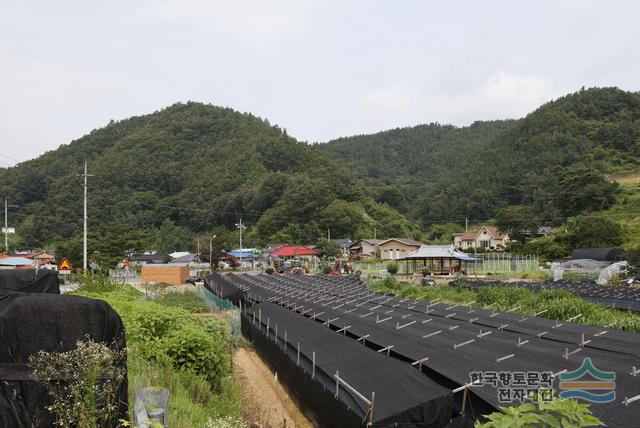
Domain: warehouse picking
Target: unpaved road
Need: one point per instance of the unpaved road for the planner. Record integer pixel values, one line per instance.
(266, 403)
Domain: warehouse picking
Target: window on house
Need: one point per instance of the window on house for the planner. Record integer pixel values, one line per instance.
(485, 244)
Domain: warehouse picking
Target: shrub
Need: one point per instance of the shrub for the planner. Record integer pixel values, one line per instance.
(392, 268)
(326, 269)
(81, 399)
(159, 331)
(97, 283)
(269, 270)
(391, 282)
(187, 301)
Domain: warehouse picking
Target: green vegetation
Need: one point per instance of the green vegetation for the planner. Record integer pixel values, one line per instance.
(172, 347)
(559, 305)
(552, 161)
(162, 180)
(82, 401)
(593, 231)
(187, 301)
(542, 414)
(392, 268)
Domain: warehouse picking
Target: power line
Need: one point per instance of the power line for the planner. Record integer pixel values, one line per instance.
(10, 158)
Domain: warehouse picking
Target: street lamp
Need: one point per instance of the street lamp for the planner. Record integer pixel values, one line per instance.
(211, 254)
(240, 226)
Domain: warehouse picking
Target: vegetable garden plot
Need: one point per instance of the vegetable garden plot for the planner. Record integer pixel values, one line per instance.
(457, 340)
(315, 362)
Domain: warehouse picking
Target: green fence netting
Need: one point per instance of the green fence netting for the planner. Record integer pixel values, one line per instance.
(216, 304)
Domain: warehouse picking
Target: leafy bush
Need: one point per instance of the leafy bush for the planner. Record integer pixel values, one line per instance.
(392, 268)
(326, 269)
(541, 414)
(391, 282)
(187, 301)
(158, 331)
(190, 355)
(269, 270)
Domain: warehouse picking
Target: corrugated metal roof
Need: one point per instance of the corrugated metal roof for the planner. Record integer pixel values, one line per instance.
(16, 261)
(438, 251)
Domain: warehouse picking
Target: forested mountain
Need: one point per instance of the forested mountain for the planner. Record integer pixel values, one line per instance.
(193, 170)
(551, 162)
(188, 169)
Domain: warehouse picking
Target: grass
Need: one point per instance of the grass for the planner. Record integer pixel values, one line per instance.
(560, 305)
(632, 177)
(187, 300)
(192, 402)
(626, 211)
(170, 346)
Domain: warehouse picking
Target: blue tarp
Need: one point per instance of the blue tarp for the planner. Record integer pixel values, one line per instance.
(244, 255)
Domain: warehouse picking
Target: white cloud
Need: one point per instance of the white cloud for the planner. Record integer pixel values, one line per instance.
(398, 97)
(503, 95)
(254, 20)
(506, 86)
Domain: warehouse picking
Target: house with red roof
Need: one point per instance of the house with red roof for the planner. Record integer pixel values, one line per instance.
(294, 251)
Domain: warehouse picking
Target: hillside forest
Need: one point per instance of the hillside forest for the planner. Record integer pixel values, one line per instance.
(168, 180)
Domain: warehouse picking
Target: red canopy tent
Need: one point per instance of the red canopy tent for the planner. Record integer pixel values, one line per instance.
(293, 251)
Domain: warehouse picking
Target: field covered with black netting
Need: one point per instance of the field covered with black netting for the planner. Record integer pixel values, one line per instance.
(451, 341)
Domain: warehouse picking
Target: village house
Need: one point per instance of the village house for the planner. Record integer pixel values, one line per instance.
(487, 237)
(365, 248)
(397, 248)
(344, 246)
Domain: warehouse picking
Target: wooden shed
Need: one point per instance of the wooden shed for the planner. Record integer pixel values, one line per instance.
(172, 273)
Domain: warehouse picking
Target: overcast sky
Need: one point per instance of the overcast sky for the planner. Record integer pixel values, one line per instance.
(320, 69)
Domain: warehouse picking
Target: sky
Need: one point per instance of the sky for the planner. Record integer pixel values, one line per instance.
(320, 69)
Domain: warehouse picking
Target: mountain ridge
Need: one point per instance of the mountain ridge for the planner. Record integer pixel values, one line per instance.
(193, 168)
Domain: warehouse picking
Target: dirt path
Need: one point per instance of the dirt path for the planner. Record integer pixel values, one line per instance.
(266, 403)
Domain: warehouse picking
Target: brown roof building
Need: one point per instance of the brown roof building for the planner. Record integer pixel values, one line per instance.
(397, 248)
(486, 237)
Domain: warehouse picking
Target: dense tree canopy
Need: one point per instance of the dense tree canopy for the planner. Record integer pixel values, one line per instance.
(165, 179)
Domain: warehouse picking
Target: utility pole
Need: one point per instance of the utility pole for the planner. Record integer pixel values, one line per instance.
(466, 224)
(6, 224)
(210, 253)
(374, 233)
(6, 227)
(84, 243)
(328, 234)
(240, 226)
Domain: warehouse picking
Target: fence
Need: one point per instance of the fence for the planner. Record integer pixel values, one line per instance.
(216, 304)
(506, 262)
(487, 263)
(123, 274)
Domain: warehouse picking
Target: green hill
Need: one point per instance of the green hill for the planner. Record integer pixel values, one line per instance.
(552, 161)
(189, 170)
